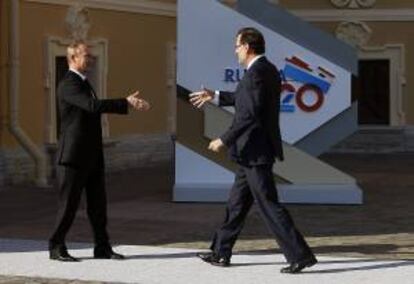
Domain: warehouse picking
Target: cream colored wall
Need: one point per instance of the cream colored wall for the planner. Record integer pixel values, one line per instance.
(137, 63)
(37, 21)
(137, 49)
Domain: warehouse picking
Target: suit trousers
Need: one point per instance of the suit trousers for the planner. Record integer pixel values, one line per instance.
(72, 181)
(256, 183)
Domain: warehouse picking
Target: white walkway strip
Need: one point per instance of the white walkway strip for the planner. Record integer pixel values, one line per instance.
(147, 264)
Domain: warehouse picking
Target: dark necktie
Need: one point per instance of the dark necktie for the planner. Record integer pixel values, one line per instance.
(91, 89)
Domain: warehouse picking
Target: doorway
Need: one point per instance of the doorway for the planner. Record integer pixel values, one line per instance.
(372, 90)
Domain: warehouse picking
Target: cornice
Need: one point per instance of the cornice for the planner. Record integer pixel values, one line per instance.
(367, 15)
(310, 15)
(132, 6)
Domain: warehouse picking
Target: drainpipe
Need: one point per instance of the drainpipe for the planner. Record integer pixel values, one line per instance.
(31, 148)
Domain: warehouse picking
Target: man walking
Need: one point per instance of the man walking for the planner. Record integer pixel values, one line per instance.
(254, 141)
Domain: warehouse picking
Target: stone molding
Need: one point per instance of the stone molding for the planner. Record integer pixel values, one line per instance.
(77, 21)
(132, 6)
(355, 33)
(353, 4)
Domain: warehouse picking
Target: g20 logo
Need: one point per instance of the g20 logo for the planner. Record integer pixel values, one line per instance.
(304, 86)
(289, 92)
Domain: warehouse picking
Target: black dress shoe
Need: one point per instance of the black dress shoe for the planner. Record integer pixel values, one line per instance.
(296, 267)
(61, 255)
(214, 259)
(107, 253)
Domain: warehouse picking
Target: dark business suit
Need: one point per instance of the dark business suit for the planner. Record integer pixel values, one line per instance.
(80, 157)
(254, 141)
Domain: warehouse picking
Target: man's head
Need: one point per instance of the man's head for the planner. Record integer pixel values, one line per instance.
(249, 43)
(78, 56)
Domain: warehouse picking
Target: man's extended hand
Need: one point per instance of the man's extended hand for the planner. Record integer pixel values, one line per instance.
(215, 145)
(138, 103)
(199, 98)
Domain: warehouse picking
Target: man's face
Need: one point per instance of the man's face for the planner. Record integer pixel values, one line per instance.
(241, 51)
(82, 58)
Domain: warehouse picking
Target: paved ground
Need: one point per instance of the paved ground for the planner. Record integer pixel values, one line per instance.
(149, 264)
(141, 213)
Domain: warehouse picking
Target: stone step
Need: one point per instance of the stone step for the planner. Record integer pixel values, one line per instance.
(378, 140)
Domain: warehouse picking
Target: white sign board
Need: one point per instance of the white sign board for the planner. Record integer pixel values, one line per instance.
(314, 90)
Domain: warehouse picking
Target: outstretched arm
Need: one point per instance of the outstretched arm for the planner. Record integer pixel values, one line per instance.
(137, 103)
(75, 95)
(199, 98)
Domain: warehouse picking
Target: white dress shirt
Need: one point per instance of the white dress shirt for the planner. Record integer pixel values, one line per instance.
(83, 77)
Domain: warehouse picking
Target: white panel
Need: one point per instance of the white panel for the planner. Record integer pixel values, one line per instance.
(206, 38)
(192, 168)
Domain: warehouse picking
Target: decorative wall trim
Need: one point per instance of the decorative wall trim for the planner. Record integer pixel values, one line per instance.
(353, 4)
(367, 15)
(395, 53)
(56, 46)
(77, 21)
(321, 15)
(354, 33)
(132, 6)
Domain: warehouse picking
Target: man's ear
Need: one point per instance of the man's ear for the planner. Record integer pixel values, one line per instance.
(249, 50)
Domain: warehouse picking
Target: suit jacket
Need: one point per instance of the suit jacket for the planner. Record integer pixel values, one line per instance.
(80, 142)
(254, 137)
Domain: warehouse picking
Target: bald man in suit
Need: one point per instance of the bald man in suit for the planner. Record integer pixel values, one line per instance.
(80, 160)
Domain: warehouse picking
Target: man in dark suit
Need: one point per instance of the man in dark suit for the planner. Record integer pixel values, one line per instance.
(80, 161)
(254, 141)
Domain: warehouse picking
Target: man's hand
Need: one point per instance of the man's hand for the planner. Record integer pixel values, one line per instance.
(215, 145)
(138, 103)
(199, 98)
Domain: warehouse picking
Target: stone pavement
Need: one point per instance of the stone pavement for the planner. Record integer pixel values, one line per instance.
(378, 235)
(150, 264)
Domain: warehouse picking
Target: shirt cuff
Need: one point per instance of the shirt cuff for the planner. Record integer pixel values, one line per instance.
(216, 99)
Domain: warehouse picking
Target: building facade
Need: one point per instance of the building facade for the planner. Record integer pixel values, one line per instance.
(133, 42)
